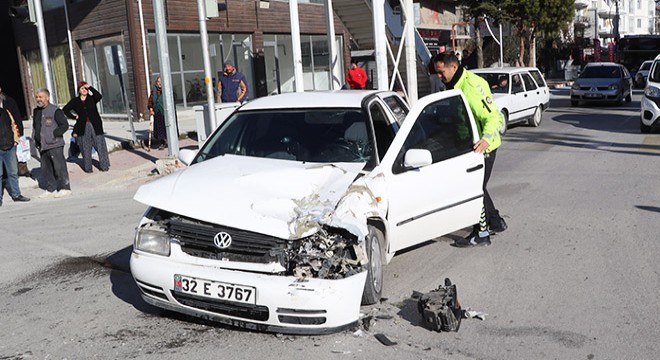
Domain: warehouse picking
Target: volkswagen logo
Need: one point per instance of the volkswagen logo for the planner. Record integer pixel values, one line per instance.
(222, 240)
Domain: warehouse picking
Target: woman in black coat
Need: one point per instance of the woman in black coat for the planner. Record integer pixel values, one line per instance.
(88, 129)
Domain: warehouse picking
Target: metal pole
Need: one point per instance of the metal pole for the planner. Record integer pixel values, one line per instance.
(201, 9)
(501, 48)
(295, 42)
(68, 33)
(144, 49)
(380, 42)
(43, 48)
(411, 56)
(166, 79)
(333, 58)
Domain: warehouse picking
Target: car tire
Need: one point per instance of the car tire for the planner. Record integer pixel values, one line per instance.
(629, 97)
(535, 120)
(505, 126)
(373, 287)
(574, 103)
(645, 129)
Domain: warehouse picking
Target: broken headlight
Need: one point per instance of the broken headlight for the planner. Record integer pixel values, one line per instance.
(152, 240)
(327, 255)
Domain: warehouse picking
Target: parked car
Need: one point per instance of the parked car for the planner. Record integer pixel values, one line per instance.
(602, 81)
(642, 73)
(285, 217)
(521, 94)
(650, 114)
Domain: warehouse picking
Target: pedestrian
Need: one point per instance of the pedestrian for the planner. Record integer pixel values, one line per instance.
(10, 104)
(232, 86)
(48, 127)
(157, 110)
(489, 121)
(356, 78)
(9, 136)
(88, 129)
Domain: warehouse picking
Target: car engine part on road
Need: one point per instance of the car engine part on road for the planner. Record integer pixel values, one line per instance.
(440, 308)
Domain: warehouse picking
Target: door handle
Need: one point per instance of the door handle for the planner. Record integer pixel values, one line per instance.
(525, 95)
(473, 169)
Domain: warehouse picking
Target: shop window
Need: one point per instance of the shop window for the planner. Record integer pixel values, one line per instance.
(105, 68)
(60, 63)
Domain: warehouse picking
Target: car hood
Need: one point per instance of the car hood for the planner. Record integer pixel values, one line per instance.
(281, 198)
(597, 81)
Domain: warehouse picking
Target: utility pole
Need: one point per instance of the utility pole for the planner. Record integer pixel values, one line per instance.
(166, 79)
(43, 47)
(201, 9)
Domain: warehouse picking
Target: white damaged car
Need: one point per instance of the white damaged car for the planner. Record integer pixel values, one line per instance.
(284, 219)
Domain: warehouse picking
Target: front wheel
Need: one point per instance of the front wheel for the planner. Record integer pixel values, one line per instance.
(629, 97)
(505, 120)
(574, 103)
(373, 288)
(645, 129)
(535, 120)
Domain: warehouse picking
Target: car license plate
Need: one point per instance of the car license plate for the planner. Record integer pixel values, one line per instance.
(215, 289)
(595, 96)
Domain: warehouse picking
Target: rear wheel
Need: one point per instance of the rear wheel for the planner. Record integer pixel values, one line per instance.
(535, 120)
(373, 287)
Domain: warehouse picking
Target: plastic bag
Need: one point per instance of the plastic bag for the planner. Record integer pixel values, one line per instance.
(23, 149)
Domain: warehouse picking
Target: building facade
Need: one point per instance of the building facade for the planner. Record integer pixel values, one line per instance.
(595, 19)
(109, 51)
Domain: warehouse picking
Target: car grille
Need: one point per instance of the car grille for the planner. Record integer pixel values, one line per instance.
(251, 312)
(197, 239)
(599, 88)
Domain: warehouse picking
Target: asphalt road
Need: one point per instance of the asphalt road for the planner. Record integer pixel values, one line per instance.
(574, 277)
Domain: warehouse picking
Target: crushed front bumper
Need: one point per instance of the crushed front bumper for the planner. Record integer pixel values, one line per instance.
(284, 304)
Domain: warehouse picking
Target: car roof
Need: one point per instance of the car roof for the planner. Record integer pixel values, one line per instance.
(505, 69)
(312, 99)
(603, 64)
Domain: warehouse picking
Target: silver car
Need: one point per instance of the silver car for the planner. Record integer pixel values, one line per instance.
(642, 74)
(600, 82)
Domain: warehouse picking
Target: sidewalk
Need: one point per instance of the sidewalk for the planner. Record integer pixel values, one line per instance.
(128, 164)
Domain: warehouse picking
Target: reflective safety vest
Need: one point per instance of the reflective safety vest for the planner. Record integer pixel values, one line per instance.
(488, 118)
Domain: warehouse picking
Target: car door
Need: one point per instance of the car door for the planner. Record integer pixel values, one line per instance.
(520, 100)
(532, 93)
(445, 195)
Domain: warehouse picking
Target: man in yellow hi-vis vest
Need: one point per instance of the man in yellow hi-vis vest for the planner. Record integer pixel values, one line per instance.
(489, 122)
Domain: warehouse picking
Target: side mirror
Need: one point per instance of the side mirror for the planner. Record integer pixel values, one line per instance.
(417, 158)
(186, 156)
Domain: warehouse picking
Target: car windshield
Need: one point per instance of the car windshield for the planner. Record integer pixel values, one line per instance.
(646, 65)
(601, 72)
(499, 82)
(654, 76)
(309, 135)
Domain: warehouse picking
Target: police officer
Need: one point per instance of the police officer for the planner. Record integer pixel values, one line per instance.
(489, 121)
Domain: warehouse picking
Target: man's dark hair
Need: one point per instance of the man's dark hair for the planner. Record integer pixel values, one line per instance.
(354, 61)
(446, 58)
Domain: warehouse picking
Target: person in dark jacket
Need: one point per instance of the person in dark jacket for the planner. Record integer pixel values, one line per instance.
(157, 110)
(8, 139)
(48, 127)
(10, 104)
(88, 129)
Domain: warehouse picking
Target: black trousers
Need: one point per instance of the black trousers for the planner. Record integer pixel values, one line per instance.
(54, 170)
(492, 214)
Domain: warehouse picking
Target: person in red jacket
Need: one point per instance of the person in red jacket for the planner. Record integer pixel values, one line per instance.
(356, 77)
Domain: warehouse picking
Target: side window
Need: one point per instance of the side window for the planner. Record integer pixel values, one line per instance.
(443, 128)
(529, 83)
(382, 129)
(399, 109)
(516, 84)
(538, 78)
